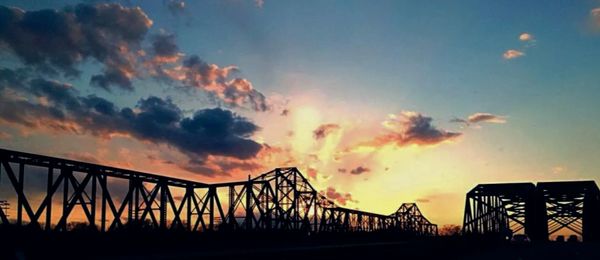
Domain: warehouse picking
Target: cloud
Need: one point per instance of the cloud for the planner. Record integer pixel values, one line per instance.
(359, 170)
(512, 54)
(323, 130)
(338, 197)
(54, 41)
(410, 128)
(164, 48)
(595, 16)
(60, 41)
(176, 7)
(341, 170)
(480, 118)
(486, 117)
(459, 120)
(217, 81)
(525, 37)
(285, 112)
(55, 105)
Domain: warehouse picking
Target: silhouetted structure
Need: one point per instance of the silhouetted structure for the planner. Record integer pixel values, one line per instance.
(111, 198)
(538, 211)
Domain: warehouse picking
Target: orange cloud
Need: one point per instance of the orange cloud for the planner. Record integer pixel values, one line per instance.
(341, 198)
(512, 54)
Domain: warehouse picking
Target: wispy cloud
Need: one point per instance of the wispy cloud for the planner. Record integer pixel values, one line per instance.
(323, 130)
(595, 17)
(486, 117)
(480, 118)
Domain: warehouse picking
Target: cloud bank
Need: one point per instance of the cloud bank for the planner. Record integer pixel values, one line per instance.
(41, 103)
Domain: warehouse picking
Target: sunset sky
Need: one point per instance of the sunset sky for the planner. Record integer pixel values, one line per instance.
(377, 102)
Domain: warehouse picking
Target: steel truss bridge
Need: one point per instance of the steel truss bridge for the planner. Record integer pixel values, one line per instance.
(107, 198)
(536, 210)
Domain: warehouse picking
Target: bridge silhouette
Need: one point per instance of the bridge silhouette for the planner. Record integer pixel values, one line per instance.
(536, 210)
(110, 198)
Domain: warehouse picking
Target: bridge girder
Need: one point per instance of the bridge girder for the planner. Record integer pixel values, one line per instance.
(538, 211)
(110, 199)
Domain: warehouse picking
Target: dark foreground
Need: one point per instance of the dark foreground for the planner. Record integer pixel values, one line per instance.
(30, 244)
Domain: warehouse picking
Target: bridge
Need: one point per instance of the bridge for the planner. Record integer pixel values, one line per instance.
(536, 210)
(107, 198)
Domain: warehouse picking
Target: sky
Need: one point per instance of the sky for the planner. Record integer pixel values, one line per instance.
(378, 103)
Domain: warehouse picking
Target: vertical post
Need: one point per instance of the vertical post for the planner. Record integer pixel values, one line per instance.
(163, 204)
(49, 193)
(230, 210)
(20, 195)
(315, 213)
(103, 206)
(132, 179)
(189, 193)
(249, 212)
(66, 176)
(211, 214)
(295, 203)
(93, 201)
(138, 187)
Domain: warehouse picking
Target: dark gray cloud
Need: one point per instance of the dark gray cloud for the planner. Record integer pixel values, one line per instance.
(56, 41)
(323, 130)
(207, 132)
(410, 128)
(359, 170)
(164, 45)
(417, 129)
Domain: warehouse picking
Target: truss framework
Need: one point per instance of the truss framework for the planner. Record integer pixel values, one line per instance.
(538, 211)
(109, 198)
